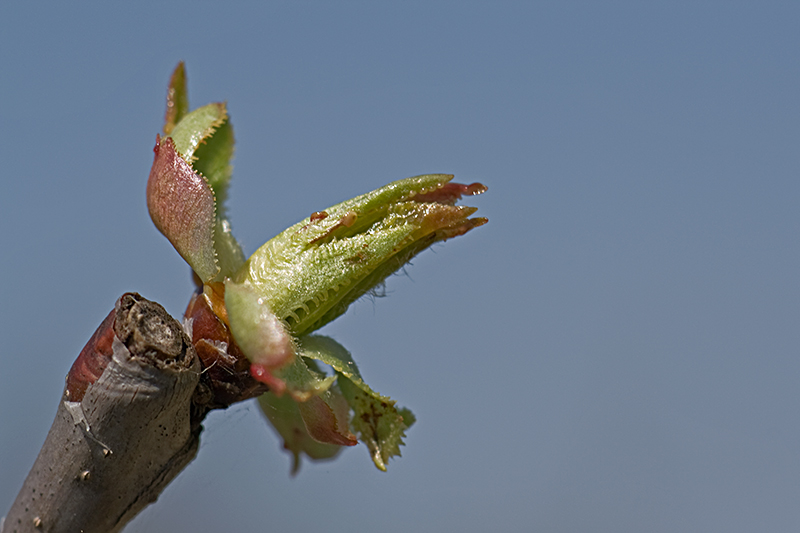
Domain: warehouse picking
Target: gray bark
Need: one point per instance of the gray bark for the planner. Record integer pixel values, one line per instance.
(111, 454)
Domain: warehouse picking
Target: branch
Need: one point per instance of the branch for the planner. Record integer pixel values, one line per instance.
(125, 426)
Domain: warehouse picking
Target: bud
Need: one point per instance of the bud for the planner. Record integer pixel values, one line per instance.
(251, 320)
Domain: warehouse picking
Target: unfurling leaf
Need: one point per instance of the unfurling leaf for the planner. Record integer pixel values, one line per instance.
(177, 98)
(197, 127)
(309, 274)
(258, 332)
(324, 411)
(379, 424)
(270, 348)
(250, 320)
(322, 419)
(181, 205)
(314, 270)
(204, 140)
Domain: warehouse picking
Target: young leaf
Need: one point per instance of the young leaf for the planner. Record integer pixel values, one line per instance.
(379, 424)
(314, 270)
(204, 138)
(323, 410)
(258, 332)
(177, 98)
(197, 127)
(182, 207)
(213, 161)
(213, 158)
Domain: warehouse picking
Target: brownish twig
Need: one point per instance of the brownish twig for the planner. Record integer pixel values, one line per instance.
(125, 426)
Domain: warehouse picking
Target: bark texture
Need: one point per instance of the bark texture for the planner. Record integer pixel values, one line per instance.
(125, 426)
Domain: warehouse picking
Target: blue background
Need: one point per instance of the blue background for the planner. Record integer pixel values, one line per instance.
(617, 350)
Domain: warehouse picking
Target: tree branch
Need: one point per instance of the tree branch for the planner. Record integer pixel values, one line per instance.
(125, 426)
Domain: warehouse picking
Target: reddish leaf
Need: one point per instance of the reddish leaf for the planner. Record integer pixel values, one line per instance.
(326, 419)
(182, 207)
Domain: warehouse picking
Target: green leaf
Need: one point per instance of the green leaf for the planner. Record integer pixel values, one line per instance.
(213, 158)
(196, 127)
(263, 339)
(261, 336)
(230, 256)
(314, 270)
(205, 139)
(379, 424)
(265, 342)
(177, 98)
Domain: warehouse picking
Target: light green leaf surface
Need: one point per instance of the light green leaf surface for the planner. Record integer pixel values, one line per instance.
(177, 98)
(230, 256)
(314, 270)
(379, 424)
(265, 342)
(258, 332)
(196, 127)
(213, 161)
(213, 158)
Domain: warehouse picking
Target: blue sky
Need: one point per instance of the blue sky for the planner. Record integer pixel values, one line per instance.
(617, 350)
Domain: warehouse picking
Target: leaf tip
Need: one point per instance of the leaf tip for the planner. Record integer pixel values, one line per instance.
(177, 98)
